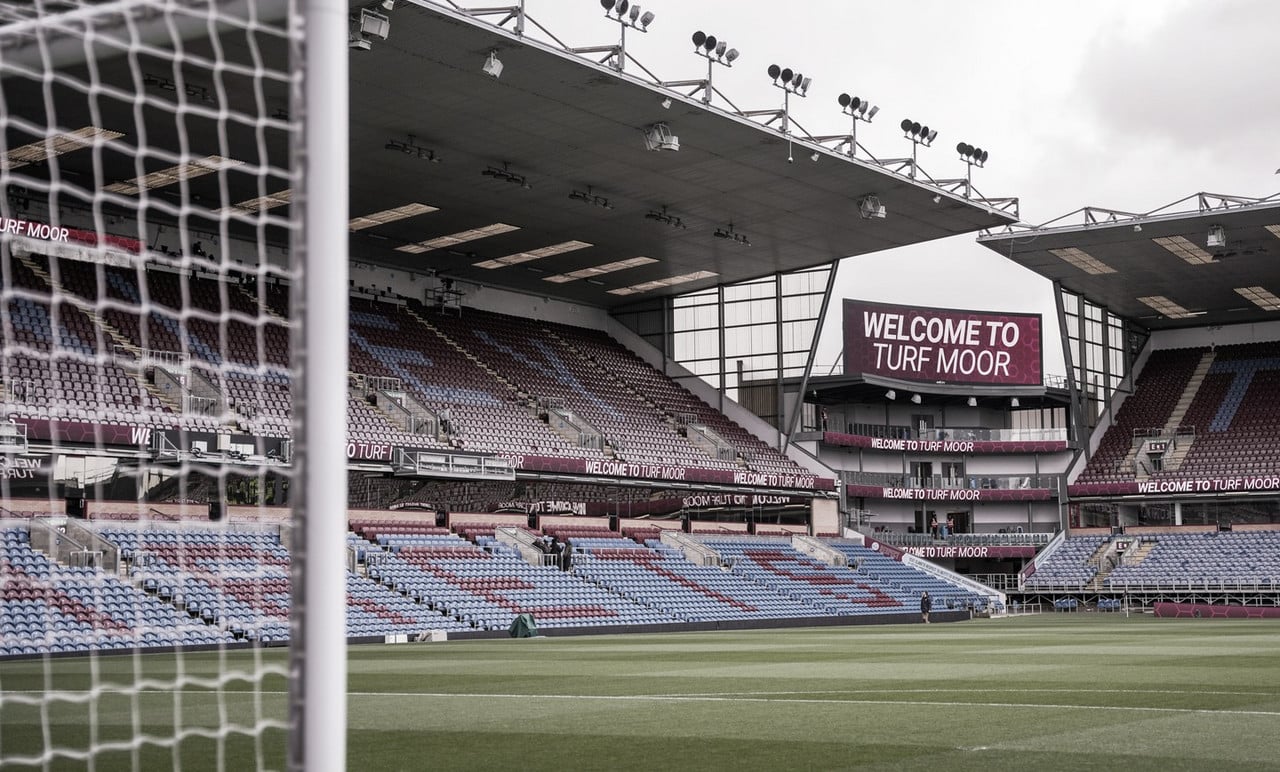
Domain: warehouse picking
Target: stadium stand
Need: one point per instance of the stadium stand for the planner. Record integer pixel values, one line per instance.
(192, 584)
(485, 378)
(1222, 404)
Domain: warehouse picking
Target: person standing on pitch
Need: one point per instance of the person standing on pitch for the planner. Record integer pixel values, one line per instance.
(926, 603)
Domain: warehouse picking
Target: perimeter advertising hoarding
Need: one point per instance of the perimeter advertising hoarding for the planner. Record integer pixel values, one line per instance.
(939, 345)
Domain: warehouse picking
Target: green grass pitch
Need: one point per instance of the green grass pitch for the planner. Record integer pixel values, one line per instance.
(1069, 692)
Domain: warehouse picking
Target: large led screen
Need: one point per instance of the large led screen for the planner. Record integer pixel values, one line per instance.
(940, 345)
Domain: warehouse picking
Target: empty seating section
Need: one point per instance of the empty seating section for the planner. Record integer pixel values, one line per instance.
(387, 341)
(238, 580)
(655, 387)
(196, 584)
(50, 608)
(1236, 415)
(486, 588)
(1067, 567)
(1158, 388)
(661, 578)
(1227, 558)
(73, 347)
(1234, 412)
(903, 582)
(545, 366)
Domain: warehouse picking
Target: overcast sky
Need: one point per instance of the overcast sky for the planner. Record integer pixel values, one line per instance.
(1125, 105)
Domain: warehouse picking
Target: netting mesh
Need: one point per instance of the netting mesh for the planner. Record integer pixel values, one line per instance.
(146, 365)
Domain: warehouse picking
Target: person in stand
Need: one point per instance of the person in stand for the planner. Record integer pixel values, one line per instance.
(951, 524)
(926, 604)
(933, 526)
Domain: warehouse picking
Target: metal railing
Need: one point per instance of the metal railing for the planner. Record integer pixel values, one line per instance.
(969, 482)
(1036, 539)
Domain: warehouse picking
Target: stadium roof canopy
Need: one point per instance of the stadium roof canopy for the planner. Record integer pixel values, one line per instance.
(556, 124)
(1177, 266)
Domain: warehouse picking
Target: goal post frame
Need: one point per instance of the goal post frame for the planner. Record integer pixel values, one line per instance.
(318, 666)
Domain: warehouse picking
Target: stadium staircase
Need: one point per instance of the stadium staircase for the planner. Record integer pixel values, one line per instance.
(453, 344)
(1180, 444)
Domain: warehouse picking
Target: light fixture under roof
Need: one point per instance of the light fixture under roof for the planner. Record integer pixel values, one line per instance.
(1183, 248)
(263, 203)
(174, 174)
(506, 175)
(599, 270)
(1167, 308)
(1082, 260)
(891, 394)
(390, 215)
(1260, 297)
(412, 148)
(535, 254)
(973, 402)
(461, 237)
(44, 149)
(670, 281)
(916, 399)
(732, 235)
(590, 197)
(1274, 230)
(665, 218)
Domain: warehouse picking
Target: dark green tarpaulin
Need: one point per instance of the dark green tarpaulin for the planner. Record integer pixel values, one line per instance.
(523, 626)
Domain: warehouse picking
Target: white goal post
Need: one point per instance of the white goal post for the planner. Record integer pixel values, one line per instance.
(173, 276)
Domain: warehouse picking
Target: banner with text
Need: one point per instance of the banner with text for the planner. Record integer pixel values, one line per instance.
(948, 494)
(937, 345)
(943, 446)
(1215, 485)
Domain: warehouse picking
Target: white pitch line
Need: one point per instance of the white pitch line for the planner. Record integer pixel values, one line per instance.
(973, 691)
(738, 697)
(929, 703)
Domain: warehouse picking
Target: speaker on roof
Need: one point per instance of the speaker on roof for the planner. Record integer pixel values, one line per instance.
(215, 510)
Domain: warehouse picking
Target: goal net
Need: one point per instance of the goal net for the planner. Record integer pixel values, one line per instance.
(163, 427)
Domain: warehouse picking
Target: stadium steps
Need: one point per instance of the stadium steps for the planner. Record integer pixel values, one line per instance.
(594, 364)
(1189, 393)
(451, 343)
(118, 339)
(1139, 553)
(263, 308)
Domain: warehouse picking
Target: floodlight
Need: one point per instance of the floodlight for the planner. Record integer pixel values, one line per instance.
(710, 43)
(870, 208)
(973, 401)
(493, 65)
(388, 5)
(721, 47)
(845, 100)
(699, 38)
(915, 399)
(774, 71)
(373, 23)
(635, 13)
(730, 55)
(1015, 402)
(891, 394)
(1217, 237)
(659, 137)
(606, 4)
(787, 75)
(621, 6)
(666, 103)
